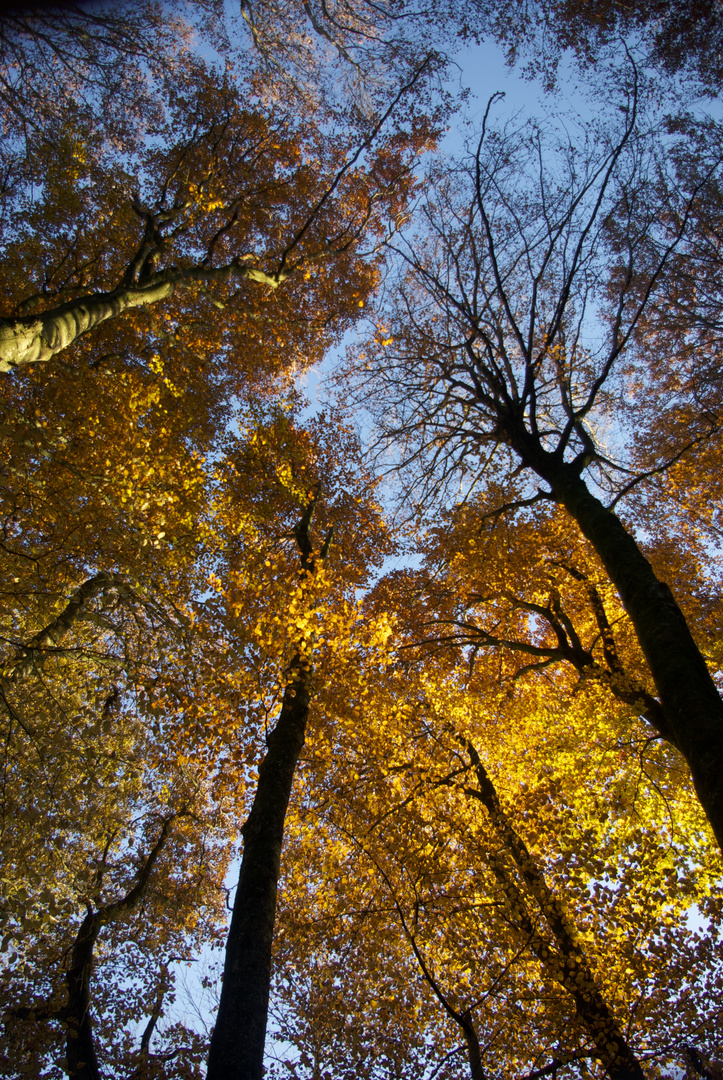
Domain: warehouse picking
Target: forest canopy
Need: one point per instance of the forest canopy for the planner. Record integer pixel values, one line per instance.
(375, 732)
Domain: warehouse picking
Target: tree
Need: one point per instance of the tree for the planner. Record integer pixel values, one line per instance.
(485, 358)
(98, 811)
(413, 847)
(107, 521)
(75, 1015)
(205, 675)
(237, 1046)
(97, 814)
(530, 585)
(235, 197)
(185, 646)
(276, 473)
(352, 55)
(72, 51)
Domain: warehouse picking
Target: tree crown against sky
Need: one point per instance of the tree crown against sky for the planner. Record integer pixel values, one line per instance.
(519, 318)
(494, 790)
(564, 251)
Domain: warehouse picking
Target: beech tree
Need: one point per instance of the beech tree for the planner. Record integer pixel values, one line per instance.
(108, 525)
(113, 849)
(468, 841)
(308, 513)
(489, 877)
(73, 976)
(200, 213)
(206, 675)
(485, 367)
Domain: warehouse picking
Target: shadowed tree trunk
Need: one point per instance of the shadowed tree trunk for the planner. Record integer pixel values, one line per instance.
(545, 928)
(80, 1045)
(237, 1043)
(76, 1015)
(474, 1054)
(688, 695)
(498, 357)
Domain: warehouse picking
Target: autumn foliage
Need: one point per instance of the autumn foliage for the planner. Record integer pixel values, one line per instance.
(380, 738)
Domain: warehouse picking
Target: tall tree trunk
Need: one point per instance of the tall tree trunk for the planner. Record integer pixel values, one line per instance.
(237, 1044)
(692, 705)
(79, 1043)
(563, 959)
(474, 1054)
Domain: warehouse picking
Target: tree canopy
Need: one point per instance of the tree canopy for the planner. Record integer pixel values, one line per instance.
(381, 737)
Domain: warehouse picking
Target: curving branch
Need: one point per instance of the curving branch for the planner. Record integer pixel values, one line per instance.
(463, 1018)
(33, 653)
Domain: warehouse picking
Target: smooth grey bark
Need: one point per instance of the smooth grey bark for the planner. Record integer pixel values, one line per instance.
(237, 1044)
(29, 339)
(33, 338)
